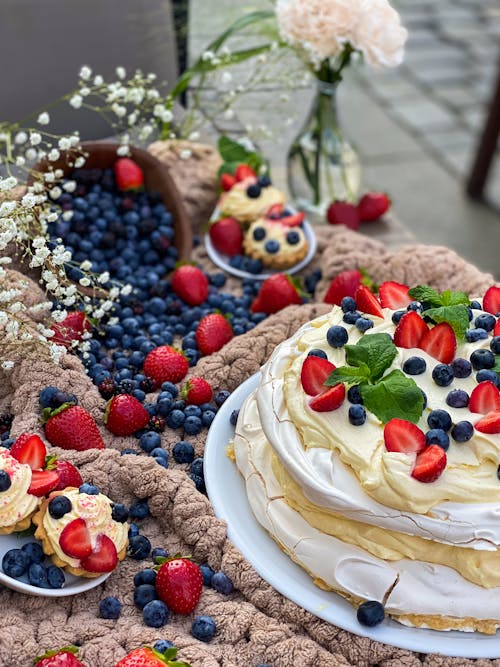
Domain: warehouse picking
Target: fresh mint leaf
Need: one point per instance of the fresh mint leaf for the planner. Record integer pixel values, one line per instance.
(425, 294)
(348, 375)
(377, 351)
(456, 316)
(232, 151)
(394, 395)
(449, 298)
(496, 367)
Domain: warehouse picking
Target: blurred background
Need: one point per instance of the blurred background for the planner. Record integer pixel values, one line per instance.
(417, 128)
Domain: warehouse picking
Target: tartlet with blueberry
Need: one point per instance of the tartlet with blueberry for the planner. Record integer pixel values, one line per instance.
(250, 199)
(278, 240)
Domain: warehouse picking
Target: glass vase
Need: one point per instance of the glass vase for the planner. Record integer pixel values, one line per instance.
(322, 165)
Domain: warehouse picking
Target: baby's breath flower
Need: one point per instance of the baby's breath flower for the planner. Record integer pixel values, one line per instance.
(123, 150)
(8, 183)
(98, 80)
(21, 137)
(86, 265)
(85, 72)
(69, 186)
(120, 72)
(64, 143)
(79, 162)
(76, 101)
(43, 118)
(185, 154)
(84, 282)
(35, 138)
(85, 91)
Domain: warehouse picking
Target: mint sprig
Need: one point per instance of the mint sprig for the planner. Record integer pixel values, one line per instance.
(450, 307)
(234, 154)
(386, 396)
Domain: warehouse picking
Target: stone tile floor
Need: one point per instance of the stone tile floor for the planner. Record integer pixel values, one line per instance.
(415, 127)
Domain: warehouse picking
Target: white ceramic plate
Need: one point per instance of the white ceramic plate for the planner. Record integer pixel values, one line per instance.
(72, 586)
(222, 260)
(226, 490)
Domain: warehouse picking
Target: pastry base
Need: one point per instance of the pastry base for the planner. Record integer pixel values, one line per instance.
(21, 525)
(280, 260)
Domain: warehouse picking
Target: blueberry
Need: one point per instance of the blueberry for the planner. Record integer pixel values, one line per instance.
(461, 367)
(89, 489)
(147, 576)
(158, 552)
(397, 315)
(128, 450)
(485, 321)
(462, 431)
(253, 191)
(46, 395)
(370, 613)
(220, 397)
(293, 237)
(272, 246)
(495, 344)
(197, 467)
(442, 374)
(61, 397)
(37, 575)
(110, 607)
(192, 425)
(264, 181)
(150, 440)
(139, 547)
(357, 415)
(233, 419)
(316, 352)
(119, 513)
(203, 628)
(416, 306)
(59, 506)
(457, 398)
(485, 375)
(207, 573)
(437, 436)
(155, 614)
(475, 305)
(176, 419)
(5, 481)
(15, 563)
(222, 583)
(482, 359)
(439, 419)
(170, 387)
(199, 482)
(133, 530)
(351, 316)
(363, 324)
(162, 645)
(143, 594)
(34, 552)
(354, 395)
(414, 366)
(337, 336)
(259, 233)
(139, 510)
(348, 304)
(473, 335)
(55, 577)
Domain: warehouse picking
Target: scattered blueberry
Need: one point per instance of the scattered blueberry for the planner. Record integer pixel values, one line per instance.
(253, 191)
(155, 614)
(203, 628)
(110, 607)
(457, 398)
(439, 419)
(495, 344)
(37, 575)
(139, 547)
(437, 436)
(34, 552)
(162, 645)
(222, 583)
(221, 397)
(139, 510)
(485, 321)
(357, 415)
(259, 233)
(272, 246)
(46, 395)
(414, 366)
(147, 576)
(316, 352)
(443, 375)
(351, 316)
(348, 304)
(363, 324)
(119, 512)
(337, 336)
(59, 506)
(143, 594)
(207, 574)
(150, 440)
(233, 419)
(462, 368)
(293, 237)
(15, 563)
(370, 613)
(473, 335)
(55, 576)
(482, 359)
(487, 375)
(89, 489)
(462, 431)
(397, 315)
(158, 552)
(354, 395)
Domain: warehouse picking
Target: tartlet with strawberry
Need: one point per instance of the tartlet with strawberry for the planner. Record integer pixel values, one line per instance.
(371, 452)
(77, 529)
(250, 197)
(17, 504)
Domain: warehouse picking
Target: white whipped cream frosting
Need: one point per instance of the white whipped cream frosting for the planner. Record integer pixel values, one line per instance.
(15, 503)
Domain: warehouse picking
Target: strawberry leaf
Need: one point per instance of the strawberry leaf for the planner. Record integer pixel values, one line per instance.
(394, 395)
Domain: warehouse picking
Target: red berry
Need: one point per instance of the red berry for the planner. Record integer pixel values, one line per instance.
(71, 329)
(63, 657)
(293, 220)
(491, 300)
(440, 342)
(29, 448)
(190, 284)
(403, 436)
(243, 171)
(490, 423)
(429, 464)
(72, 428)
(147, 657)
(276, 292)
(75, 539)
(410, 330)
(227, 181)
(485, 398)
(373, 205)
(68, 475)
(125, 415)
(179, 584)
(128, 174)
(166, 364)
(197, 391)
(343, 213)
(43, 482)
(227, 236)
(344, 284)
(103, 558)
(367, 302)
(394, 295)
(314, 373)
(330, 399)
(213, 332)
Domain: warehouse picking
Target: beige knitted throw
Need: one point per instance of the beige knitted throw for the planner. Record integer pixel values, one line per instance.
(255, 624)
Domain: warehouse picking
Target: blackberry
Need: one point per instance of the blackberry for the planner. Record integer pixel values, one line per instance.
(157, 423)
(107, 388)
(148, 385)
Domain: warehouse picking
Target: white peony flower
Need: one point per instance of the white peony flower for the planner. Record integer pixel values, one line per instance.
(379, 34)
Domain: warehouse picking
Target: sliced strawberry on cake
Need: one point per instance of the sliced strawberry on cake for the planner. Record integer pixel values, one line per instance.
(394, 295)
(328, 400)
(484, 398)
(314, 373)
(440, 342)
(367, 302)
(403, 436)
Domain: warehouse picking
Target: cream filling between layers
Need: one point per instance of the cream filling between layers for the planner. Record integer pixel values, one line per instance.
(96, 510)
(327, 476)
(405, 586)
(15, 503)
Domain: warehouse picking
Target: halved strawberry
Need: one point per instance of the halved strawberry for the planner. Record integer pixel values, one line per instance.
(293, 220)
(30, 449)
(429, 464)
(314, 374)
(103, 557)
(275, 212)
(490, 423)
(496, 329)
(244, 171)
(227, 181)
(75, 539)
(485, 398)
(403, 436)
(367, 302)
(410, 330)
(42, 482)
(491, 300)
(394, 295)
(440, 342)
(344, 284)
(328, 400)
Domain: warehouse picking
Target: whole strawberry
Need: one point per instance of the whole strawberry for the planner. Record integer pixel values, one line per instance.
(68, 474)
(166, 364)
(128, 174)
(190, 284)
(227, 181)
(149, 657)
(373, 205)
(343, 213)
(197, 391)
(179, 583)
(71, 329)
(213, 332)
(63, 657)
(227, 236)
(276, 292)
(71, 427)
(125, 415)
